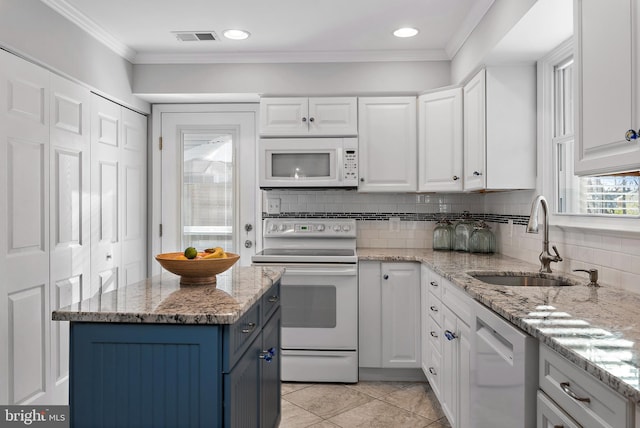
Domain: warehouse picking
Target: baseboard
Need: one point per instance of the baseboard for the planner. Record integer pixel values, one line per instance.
(391, 375)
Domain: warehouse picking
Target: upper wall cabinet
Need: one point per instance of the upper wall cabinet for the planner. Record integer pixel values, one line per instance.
(500, 129)
(387, 144)
(607, 95)
(440, 141)
(299, 117)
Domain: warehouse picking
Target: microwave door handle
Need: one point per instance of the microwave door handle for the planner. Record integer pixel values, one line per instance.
(339, 164)
(321, 271)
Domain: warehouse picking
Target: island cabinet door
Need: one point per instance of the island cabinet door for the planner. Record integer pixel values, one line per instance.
(145, 375)
(242, 389)
(270, 403)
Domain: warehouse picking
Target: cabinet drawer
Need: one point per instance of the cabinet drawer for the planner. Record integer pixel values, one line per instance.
(433, 370)
(559, 378)
(434, 284)
(270, 301)
(240, 334)
(434, 310)
(550, 415)
(434, 332)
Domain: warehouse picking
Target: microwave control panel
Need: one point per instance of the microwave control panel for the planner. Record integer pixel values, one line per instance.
(351, 165)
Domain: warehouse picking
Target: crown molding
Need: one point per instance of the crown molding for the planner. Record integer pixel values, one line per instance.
(475, 15)
(91, 28)
(291, 57)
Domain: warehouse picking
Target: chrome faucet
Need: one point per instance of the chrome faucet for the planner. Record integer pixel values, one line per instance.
(545, 256)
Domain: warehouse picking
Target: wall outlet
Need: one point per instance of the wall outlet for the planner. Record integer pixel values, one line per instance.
(273, 206)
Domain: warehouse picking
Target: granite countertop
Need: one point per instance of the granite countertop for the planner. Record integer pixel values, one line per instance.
(597, 328)
(161, 299)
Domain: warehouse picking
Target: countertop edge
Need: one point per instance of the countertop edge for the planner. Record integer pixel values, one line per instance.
(72, 314)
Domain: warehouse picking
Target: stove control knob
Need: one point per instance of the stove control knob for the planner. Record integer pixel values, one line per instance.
(320, 227)
(336, 228)
(273, 227)
(282, 227)
(346, 227)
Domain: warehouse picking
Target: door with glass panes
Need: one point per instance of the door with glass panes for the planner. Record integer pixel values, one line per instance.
(208, 181)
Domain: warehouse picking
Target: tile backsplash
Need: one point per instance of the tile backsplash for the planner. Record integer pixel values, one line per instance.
(407, 221)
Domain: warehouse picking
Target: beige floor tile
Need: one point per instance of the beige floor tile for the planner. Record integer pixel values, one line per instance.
(327, 400)
(378, 389)
(442, 423)
(418, 399)
(379, 414)
(288, 387)
(295, 417)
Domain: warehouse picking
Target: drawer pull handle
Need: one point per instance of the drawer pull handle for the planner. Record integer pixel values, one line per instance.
(558, 426)
(566, 387)
(250, 327)
(433, 283)
(434, 309)
(434, 334)
(273, 299)
(432, 371)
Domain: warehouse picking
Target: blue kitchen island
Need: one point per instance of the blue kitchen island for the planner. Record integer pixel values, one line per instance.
(155, 354)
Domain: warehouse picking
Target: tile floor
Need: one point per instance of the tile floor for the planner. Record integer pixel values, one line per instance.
(365, 404)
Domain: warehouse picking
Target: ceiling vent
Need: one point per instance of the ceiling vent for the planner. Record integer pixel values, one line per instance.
(196, 36)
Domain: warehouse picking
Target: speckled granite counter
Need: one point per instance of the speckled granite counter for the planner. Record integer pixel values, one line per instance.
(161, 300)
(596, 328)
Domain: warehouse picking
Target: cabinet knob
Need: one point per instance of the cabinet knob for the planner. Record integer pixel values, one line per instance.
(362, 179)
(631, 135)
(273, 299)
(456, 178)
(267, 355)
(432, 371)
(386, 276)
(433, 308)
(477, 173)
(433, 284)
(250, 327)
(434, 334)
(311, 119)
(304, 119)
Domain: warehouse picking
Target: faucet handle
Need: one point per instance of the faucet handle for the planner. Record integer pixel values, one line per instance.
(555, 250)
(593, 275)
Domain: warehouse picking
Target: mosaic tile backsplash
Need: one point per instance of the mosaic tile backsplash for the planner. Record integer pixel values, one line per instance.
(407, 221)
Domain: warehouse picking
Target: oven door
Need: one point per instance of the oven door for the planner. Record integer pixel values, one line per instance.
(320, 307)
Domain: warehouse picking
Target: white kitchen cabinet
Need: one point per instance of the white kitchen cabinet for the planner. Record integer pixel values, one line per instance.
(607, 95)
(301, 116)
(389, 315)
(499, 126)
(387, 144)
(447, 362)
(440, 141)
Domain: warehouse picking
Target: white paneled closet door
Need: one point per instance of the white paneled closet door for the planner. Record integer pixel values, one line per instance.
(24, 231)
(134, 196)
(105, 195)
(118, 196)
(70, 217)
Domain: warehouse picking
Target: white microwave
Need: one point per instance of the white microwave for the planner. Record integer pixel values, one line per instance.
(308, 162)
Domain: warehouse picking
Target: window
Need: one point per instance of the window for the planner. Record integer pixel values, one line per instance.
(603, 195)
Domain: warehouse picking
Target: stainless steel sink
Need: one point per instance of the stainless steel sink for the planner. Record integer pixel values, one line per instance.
(518, 279)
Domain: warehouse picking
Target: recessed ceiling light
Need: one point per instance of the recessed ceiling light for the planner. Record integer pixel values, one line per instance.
(235, 34)
(405, 32)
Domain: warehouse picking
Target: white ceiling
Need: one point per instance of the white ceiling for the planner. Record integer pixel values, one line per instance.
(281, 30)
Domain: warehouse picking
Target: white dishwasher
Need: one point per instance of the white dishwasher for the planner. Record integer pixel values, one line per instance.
(504, 373)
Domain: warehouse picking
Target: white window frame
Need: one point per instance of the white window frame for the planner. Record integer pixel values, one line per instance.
(546, 167)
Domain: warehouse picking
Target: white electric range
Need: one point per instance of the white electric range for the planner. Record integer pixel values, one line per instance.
(319, 296)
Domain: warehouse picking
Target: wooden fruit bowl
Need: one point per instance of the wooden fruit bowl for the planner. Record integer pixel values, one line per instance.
(196, 271)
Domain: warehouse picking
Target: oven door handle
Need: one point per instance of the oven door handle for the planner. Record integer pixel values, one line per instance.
(348, 271)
